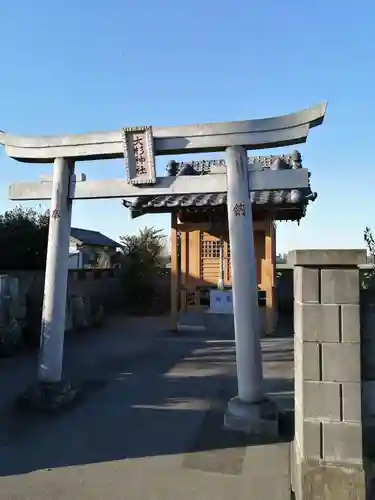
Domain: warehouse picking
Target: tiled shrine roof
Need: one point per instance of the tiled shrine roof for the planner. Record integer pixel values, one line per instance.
(287, 204)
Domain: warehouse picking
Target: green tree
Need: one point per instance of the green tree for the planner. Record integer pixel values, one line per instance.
(143, 256)
(23, 239)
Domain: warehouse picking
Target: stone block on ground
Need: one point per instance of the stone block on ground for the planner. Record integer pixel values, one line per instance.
(219, 323)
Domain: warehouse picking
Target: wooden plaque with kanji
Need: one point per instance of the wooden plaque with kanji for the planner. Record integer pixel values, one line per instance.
(139, 155)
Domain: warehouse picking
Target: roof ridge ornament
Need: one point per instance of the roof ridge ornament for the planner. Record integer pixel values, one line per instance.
(296, 159)
(199, 167)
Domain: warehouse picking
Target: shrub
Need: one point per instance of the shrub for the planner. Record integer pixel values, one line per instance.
(23, 239)
(143, 255)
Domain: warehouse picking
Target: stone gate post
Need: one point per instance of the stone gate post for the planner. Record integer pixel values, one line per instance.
(327, 456)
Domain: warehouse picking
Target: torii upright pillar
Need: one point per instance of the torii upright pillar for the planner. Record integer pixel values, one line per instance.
(138, 146)
(56, 276)
(244, 411)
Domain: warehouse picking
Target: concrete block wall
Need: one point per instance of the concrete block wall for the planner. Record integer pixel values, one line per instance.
(103, 284)
(284, 285)
(328, 417)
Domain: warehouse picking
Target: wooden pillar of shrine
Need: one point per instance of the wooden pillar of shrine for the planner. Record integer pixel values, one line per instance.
(194, 280)
(269, 275)
(185, 268)
(175, 274)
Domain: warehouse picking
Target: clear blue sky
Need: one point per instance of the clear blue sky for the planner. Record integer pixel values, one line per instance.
(71, 66)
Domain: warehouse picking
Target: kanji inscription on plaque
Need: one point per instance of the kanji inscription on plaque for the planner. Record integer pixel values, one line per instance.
(139, 155)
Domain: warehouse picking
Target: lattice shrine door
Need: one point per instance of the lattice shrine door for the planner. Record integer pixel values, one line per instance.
(210, 260)
(201, 271)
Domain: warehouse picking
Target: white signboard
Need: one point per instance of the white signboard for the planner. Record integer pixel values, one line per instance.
(221, 302)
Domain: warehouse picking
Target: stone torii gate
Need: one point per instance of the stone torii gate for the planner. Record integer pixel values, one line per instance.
(138, 146)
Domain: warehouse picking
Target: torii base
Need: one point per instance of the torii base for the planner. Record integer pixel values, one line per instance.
(48, 397)
(256, 419)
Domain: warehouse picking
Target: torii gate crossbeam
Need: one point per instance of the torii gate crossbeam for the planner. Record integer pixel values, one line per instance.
(250, 134)
(138, 146)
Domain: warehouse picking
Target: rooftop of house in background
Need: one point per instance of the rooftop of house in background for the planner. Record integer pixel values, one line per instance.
(92, 238)
(287, 204)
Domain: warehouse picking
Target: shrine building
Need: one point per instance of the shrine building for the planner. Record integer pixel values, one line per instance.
(200, 246)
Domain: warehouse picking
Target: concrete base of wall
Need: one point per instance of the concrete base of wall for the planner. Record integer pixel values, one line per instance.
(315, 480)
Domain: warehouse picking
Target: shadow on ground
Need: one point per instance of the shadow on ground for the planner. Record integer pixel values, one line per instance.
(167, 397)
